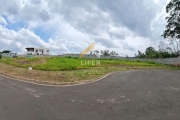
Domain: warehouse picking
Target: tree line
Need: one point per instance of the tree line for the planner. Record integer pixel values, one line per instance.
(150, 52)
(171, 33)
(104, 52)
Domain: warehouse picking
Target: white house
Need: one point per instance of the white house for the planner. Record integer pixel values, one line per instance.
(37, 51)
(10, 54)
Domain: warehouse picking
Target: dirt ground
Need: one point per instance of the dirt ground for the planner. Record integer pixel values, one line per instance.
(55, 77)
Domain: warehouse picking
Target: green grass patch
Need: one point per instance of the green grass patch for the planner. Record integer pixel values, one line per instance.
(70, 63)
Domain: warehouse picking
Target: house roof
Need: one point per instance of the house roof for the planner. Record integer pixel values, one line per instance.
(35, 48)
(29, 48)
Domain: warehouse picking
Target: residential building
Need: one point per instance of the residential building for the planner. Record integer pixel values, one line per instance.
(10, 54)
(37, 51)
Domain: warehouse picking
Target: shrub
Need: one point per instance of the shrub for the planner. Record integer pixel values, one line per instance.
(151, 62)
(76, 57)
(0, 56)
(138, 61)
(68, 57)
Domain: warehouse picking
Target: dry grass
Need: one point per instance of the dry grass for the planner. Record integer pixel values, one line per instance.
(19, 70)
(55, 77)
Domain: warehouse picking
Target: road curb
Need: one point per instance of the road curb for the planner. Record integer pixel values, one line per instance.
(65, 84)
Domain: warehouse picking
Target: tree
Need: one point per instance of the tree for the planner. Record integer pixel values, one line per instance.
(113, 53)
(6, 51)
(140, 55)
(0, 56)
(175, 44)
(162, 46)
(172, 31)
(91, 53)
(94, 52)
(150, 52)
(105, 52)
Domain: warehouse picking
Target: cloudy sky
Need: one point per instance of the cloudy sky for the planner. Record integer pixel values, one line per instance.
(69, 26)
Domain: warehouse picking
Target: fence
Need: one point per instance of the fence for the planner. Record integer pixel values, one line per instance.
(164, 60)
(158, 60)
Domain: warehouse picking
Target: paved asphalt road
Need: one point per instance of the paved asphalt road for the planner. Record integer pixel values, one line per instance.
(130, 95)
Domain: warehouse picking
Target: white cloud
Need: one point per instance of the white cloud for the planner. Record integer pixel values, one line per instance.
(2, 21)
(124, 26)
(13, 40)
(18, 41)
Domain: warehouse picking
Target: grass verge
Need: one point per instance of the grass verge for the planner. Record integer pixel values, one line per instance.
(69, 70)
